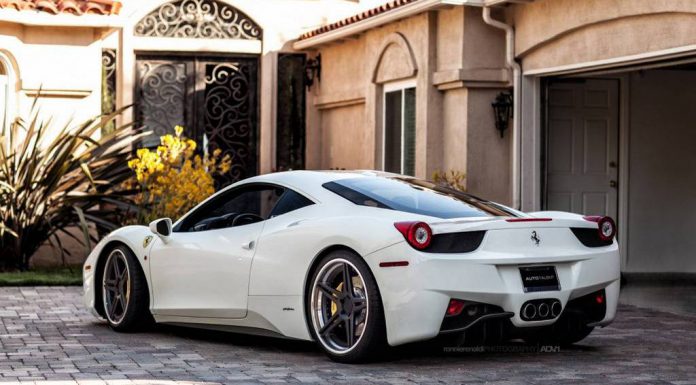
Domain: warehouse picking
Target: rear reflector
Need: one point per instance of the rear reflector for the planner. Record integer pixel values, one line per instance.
(393, 264)
(600, 298)
(455, 307)
(529, 220)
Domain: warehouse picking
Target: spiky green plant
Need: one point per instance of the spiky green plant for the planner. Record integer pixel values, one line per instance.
(56, 178)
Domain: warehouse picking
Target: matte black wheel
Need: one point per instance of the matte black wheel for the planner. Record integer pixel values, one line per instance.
(124, 291)
(344, 308)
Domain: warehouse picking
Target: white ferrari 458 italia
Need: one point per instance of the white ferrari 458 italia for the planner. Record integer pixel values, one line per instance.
(357, 261)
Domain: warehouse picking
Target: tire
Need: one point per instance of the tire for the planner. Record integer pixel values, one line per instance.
(332, 309)
(125, 300)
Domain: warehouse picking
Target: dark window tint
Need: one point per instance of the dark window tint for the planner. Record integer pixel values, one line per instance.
(290, 201)
(392, 131)
(414, 196)
(400, 131)
(257, 201)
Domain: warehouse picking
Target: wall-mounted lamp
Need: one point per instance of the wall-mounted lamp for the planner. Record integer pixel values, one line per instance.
(502, 110)
(312, 71)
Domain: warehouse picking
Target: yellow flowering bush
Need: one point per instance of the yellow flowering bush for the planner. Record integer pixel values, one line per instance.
(173, 178)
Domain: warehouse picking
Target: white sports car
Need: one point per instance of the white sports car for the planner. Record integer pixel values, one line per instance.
(357, 261)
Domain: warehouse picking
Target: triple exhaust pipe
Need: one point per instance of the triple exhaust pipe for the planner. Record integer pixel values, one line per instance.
(541, 309)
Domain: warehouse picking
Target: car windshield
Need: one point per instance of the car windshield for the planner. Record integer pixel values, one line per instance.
(415, 196)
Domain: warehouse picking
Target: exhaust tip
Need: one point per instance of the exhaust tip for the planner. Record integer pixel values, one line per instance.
(529, 311)
(556, 308)
(544, 310)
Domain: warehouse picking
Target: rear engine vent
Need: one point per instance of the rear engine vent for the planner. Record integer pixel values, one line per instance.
(463, 242)
(590, 237)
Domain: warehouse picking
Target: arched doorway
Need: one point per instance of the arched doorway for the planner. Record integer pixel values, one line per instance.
(213, 95)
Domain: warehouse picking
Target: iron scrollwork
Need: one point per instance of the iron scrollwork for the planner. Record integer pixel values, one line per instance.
(230, 123)
(215, 99)
(162, 97)
(108, 96)
(200, 19)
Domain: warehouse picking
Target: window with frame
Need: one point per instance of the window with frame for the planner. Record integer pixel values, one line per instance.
(399, 135)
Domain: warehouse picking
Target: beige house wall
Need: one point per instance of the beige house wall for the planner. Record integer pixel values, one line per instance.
(63, 62)
(455, 61)
(555, 33)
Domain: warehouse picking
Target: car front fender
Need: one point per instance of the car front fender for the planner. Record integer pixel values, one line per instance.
(139, 239)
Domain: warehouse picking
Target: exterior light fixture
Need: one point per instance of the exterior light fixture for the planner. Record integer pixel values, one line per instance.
(312, 71)
(502, 110)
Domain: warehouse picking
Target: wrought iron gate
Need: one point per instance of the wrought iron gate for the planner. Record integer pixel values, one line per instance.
(214, 98)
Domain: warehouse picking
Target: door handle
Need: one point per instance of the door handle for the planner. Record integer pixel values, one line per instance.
(248, 245)
(613, 184)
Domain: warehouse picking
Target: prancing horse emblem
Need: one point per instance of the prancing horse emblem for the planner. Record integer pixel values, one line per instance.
(535, 238)
(146, 241)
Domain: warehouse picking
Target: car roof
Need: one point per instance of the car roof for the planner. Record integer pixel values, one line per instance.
(310, 182)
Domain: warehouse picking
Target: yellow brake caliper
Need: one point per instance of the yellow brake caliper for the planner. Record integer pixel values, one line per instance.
(334, 307)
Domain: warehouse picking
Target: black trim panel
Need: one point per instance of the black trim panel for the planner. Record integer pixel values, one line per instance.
(590, 237)
(463, 242)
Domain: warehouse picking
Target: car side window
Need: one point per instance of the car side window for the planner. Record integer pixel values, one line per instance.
(237, 207)
(290, 201)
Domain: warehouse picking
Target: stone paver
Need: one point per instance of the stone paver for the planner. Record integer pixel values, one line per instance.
(47, 337)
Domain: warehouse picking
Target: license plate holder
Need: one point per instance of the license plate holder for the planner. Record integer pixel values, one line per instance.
(539, 278)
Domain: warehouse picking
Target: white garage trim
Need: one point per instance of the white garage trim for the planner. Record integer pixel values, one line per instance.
(642, 58)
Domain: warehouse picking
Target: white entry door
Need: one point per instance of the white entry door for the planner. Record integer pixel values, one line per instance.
(582, 171)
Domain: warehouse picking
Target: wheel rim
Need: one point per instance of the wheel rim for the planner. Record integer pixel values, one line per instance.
(116, 287)
(339, 306)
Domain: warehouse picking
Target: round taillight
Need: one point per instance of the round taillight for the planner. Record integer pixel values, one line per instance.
(607, 229)
(417, 234)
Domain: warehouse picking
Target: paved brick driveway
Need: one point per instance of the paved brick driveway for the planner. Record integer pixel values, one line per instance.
(45, 335)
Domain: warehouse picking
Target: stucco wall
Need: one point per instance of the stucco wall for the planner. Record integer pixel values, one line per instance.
(552, 33)
(488, 153)
(662, 183)
(65, 63)
(455, 129)
(457, 64)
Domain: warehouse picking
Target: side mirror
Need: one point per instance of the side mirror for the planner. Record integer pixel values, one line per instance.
(162, 227)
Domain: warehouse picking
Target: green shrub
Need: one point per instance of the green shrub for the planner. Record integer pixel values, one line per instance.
(53, 178)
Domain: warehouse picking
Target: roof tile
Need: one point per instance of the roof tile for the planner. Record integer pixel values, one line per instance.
(356, 18)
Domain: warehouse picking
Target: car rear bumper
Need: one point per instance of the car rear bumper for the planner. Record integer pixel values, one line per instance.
(415, 297)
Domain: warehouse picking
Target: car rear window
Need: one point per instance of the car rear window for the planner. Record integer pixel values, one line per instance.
(414, 196)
